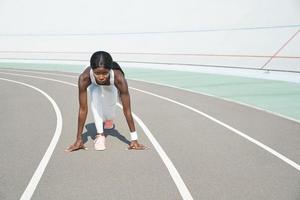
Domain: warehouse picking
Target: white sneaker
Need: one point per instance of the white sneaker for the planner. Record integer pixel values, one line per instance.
(99, 143)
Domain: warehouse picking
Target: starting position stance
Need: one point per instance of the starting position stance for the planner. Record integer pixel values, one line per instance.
(103, 80)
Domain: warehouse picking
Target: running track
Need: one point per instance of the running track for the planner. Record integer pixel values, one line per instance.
(219, 149)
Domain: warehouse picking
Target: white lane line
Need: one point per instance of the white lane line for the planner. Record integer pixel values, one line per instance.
(179, 88)
(265, 147)
(182, 188)
(27, 194)
(222, 98)
(38, 72)
(256, 142)
(185, 193)
(37, 77)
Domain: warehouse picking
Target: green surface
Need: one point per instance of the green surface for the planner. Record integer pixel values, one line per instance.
(276, 96)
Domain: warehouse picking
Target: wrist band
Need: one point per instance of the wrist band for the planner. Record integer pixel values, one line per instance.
(133, 135)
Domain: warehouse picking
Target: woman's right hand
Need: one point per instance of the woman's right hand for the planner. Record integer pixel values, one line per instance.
(76, 146)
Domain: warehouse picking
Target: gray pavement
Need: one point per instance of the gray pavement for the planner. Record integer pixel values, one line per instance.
(27, 122)
(214, 162)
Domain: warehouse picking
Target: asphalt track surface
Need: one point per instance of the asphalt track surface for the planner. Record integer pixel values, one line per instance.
(212, 160)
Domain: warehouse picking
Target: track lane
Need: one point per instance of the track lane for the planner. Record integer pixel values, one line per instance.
(227, 170)
(263, 127)
(214, 162)
(25, 135)
(150, 184)
(279, 133)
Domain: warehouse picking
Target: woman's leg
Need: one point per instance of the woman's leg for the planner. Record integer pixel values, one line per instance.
(110, 95)
(96, 101)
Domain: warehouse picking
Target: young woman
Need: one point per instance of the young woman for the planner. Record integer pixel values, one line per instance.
(103, 80)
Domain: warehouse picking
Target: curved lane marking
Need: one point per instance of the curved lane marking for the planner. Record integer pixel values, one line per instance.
(179, 88)
(245, 136)
(182, 188)
(263, 146)
(27, 194)
(222, 98)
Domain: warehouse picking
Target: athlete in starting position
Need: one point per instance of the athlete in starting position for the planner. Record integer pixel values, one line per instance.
(103, 80)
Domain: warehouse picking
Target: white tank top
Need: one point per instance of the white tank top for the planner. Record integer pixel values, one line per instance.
(111, 78)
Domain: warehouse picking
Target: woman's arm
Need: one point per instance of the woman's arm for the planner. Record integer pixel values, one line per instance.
(122, 86)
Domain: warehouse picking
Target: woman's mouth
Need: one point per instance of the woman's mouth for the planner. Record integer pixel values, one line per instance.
(101, 81)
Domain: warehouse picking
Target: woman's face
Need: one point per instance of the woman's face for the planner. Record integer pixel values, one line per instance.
(101, 75)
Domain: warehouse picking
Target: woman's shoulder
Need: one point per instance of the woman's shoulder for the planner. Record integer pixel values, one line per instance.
(84, 77)
(120, 80)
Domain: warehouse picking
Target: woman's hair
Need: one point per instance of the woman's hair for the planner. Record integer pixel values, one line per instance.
(104, 59)
(116, 66)
(101, 59)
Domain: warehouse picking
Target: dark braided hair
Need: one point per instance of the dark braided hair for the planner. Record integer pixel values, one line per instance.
(101, 59)
(104, 59)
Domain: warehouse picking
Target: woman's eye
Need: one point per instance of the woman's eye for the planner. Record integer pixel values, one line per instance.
(101, 74)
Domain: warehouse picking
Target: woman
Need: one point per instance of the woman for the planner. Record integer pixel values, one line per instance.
(103, 80)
